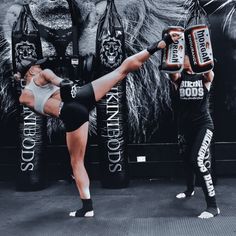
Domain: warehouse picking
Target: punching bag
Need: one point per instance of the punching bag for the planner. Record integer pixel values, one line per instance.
(83, 66)
(76, 28)
(198, 41)
(26, 43)
(173, 55)
(111, 109)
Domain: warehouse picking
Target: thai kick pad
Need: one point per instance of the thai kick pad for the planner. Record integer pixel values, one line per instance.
(173, 54)
(199, 47)
(111, 109)
(198, 40)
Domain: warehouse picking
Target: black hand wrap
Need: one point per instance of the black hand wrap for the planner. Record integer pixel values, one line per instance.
(66, 86)
(153, 48)
(167, 39)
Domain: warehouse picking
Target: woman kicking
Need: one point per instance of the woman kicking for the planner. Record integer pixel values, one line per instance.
(49, 95)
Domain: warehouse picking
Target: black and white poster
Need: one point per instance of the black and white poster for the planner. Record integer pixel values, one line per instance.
(149, 123)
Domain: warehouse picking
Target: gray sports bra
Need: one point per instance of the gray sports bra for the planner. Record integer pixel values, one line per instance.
(41, 94)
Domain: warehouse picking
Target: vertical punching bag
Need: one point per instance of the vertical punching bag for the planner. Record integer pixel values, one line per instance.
(26, 43)
(83, 66)
(76, 27)
(111, 109)
(198, 41)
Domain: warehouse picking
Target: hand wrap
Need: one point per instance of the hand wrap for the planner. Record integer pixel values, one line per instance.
(154, 47)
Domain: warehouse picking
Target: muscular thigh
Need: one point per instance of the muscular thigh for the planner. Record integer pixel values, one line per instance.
(77, 141)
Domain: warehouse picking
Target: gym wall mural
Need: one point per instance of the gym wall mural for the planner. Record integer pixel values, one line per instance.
(149, 106)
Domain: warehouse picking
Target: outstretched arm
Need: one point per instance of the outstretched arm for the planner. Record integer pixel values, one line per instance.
(104, 84)
(134, 62)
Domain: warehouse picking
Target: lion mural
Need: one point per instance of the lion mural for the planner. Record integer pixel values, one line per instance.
(111, 53)
(144, 20)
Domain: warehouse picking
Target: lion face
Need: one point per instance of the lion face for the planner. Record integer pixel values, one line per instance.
(25, 50)
(111, 52)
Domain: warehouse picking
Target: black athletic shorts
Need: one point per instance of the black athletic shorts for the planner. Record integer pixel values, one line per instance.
(76, 113)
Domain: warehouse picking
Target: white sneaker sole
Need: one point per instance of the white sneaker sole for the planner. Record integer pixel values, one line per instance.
(208, 215)
(87, 214)
(183, 195)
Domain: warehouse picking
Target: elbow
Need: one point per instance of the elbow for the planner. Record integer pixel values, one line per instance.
(209, 76)
(212, 76)
(21, 100)
(45, 72)
(210, 80)
(174, 77)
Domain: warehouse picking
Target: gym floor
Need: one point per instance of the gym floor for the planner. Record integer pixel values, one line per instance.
(146, 207)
